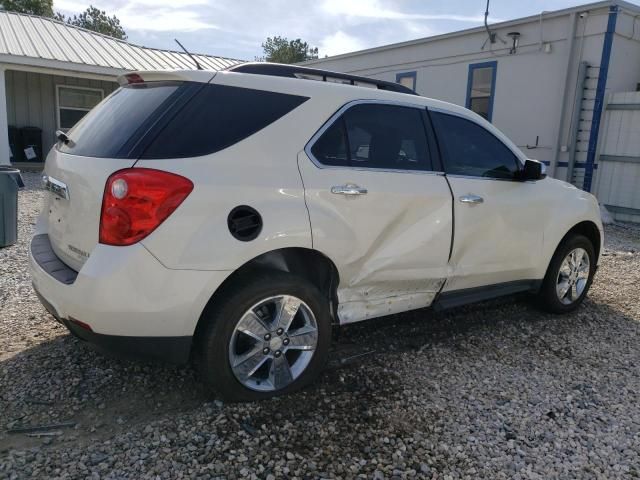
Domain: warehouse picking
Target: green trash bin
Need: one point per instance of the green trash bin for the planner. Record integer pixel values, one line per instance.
(10, 183)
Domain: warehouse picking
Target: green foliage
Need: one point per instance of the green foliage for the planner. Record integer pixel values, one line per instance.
(283, 50)
(96, 20)
(43, 8)
(92, 18)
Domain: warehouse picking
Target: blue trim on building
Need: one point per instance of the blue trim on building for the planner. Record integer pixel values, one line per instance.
(412, 75)
(599, 98)
(472, 66)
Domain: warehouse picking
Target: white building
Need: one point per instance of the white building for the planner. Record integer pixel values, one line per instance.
(562, 85)
(52, 74)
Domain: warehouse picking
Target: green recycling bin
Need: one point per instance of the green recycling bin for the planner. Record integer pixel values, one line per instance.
(10, 183)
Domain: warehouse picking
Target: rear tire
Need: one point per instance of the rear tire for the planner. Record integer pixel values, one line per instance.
(268, 335)
(569, 275)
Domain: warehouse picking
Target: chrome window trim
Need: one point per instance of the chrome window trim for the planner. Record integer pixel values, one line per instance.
(332, 119)
(471, 177)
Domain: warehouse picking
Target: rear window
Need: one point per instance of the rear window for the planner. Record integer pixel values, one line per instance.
(175, 120)
(110, 129)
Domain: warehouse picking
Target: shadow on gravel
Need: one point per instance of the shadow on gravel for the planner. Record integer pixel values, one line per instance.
(64, 380)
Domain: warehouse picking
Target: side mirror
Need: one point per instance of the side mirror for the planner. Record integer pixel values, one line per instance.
(533, 170)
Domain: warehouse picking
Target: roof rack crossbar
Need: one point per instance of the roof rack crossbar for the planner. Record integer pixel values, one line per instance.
(292, 71)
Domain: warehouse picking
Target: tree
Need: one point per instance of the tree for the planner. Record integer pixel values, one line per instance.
(43, 8)
(96, 20)
(283, 50)
(92, 18)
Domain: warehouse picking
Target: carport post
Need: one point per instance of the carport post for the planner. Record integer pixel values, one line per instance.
(5, 151)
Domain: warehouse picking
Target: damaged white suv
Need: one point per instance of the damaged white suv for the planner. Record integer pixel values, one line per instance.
(235, 217)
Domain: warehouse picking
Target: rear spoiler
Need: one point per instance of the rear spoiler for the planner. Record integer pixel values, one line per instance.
(202, 76)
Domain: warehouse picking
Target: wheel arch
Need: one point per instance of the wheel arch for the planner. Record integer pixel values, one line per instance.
(587, 228)
(590, 230)
(304, 262)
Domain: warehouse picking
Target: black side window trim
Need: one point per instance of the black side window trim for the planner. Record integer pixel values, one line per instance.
(434, 147)
(156, 123)
(338, 116)
(443, 154)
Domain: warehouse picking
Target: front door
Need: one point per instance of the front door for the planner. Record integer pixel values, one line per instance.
(378, 209)
(498, 219)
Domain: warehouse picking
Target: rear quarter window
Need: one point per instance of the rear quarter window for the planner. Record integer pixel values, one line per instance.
(218, 117)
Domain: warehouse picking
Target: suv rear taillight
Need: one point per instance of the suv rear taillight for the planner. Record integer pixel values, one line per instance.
(136, 201)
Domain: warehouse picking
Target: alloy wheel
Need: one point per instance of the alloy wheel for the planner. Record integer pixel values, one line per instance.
(273, 343)
(573, 276)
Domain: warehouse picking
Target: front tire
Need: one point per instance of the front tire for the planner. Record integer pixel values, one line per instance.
(269, 335)
(569, 275)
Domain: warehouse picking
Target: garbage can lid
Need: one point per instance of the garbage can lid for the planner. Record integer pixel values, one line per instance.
(14, 173)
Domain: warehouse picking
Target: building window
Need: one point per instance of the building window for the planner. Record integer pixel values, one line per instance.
(407, 79)
(481, 87)
(74, 103)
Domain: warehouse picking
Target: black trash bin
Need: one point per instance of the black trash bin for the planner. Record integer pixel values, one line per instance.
(15, 142)
(31, 138)
(10, 183)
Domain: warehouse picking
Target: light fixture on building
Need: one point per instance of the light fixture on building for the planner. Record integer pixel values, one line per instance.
(515, 39)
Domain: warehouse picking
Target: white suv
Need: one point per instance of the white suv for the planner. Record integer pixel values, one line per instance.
(235, 217)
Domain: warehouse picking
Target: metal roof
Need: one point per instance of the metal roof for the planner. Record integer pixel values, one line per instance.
(51, 41)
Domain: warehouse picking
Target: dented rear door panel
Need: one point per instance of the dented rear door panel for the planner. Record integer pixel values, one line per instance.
(391, 245)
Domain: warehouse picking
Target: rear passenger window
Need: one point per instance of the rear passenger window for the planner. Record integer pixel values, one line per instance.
(377, 136)
(469, 149)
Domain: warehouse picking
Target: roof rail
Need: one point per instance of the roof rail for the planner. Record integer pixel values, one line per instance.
(295, 71)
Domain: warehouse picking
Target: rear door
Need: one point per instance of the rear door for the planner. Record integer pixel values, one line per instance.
(499, 220)
(379, 208)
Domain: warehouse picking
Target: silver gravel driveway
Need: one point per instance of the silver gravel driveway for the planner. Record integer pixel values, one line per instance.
(497, 390)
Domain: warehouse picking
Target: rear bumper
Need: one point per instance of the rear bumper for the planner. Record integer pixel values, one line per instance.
(174, 350)
(135, 307)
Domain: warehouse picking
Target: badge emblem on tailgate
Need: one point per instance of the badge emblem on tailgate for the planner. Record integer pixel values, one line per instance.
(55, 186)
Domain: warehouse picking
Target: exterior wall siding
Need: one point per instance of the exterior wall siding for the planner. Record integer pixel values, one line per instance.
(31, 100)
(619, 164)
(624, 67)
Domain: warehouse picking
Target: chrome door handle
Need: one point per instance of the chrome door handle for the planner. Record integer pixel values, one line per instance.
(470, 198)
(349, 189)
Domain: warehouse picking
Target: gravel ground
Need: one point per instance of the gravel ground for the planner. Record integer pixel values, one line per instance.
(498, 390)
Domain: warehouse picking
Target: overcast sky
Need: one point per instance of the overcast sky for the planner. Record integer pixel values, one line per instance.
(237, 28)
